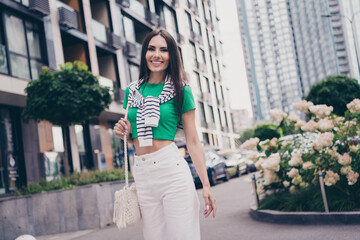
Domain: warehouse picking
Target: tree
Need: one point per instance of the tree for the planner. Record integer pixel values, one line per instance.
(266, 131)
(71, 95)
(246, 134)
(335, 91)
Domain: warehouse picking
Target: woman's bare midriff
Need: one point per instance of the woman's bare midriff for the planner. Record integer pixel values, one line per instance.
(157, 145)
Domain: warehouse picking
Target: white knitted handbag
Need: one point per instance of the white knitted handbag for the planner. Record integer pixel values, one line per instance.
(126, 204)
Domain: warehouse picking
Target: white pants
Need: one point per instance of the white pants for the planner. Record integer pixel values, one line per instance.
(167, 196)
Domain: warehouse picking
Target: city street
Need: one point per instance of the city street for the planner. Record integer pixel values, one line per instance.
(232, 222)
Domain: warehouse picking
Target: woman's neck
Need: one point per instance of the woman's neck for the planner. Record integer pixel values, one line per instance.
(157, 77)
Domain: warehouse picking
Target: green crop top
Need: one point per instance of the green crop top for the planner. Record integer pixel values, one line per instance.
(169, 116)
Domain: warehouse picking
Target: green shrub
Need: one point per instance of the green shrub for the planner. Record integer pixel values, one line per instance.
(75, 179)
(266, 131)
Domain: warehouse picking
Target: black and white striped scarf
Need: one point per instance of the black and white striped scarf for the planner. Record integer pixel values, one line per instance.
(148, 113)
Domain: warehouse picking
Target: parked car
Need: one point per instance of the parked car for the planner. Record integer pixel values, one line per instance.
(215, 165)
(238, 163)
(235, 164)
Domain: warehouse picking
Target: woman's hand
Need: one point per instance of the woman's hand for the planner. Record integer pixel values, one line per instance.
(122, 128)
(210, 202)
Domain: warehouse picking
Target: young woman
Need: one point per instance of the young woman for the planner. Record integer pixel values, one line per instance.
(158, 102)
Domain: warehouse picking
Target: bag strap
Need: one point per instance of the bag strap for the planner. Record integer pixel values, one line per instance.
(125, 153)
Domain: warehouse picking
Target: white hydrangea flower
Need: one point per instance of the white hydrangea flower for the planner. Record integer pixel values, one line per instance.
(251, 144)
(297, 180)
(321, 110)
(293, 173)
(286, 183)
(344, 159)
(303, 106)
(325, 125)
(354, 106)
(296, 159)
(277, 115)
(272, 163)
(270, 177)
(307, 165)
(345, 170)
(331, 178)
(352, 177)
(310, 126)
(293, 117)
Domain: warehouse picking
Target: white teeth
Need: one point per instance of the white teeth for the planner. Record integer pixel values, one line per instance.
(156, 62)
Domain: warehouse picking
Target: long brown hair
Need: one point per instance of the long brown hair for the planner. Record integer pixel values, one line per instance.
(175, 69)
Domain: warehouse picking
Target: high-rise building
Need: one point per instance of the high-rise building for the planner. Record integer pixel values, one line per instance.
(107, 36)
(288, 46)
(345, 20)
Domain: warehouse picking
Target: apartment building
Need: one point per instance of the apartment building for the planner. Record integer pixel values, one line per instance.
(107, 36)
(288, 46)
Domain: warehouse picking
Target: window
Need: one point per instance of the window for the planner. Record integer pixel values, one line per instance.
(134, 72)
(193, 55)
(24, 46)
(198, 83)
(170, 21)
(188, 24)
(202, 115)
(211, 111)
(129, 29)
(207, 84)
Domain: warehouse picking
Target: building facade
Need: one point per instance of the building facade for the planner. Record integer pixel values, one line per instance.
(107, 36)
(290, 45)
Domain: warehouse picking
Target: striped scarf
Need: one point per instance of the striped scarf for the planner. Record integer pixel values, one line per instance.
(148, 113)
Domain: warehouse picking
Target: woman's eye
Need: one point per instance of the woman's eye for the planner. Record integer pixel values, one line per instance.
(164, 50)
(150, 49)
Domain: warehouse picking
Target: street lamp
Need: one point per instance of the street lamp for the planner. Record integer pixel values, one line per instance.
(352, 29)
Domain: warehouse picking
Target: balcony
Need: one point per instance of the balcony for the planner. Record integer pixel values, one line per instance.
(3, 60)
(67, 16)
(40, 6)
(106, 82)
(152, 18)
(100, 31)
(140, 10)
(211, 125)
(180, 38)
(194, 8)
(196, 37)
(133, 49)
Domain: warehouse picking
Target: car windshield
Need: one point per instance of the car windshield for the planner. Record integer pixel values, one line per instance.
(210, 156)
(233, 156)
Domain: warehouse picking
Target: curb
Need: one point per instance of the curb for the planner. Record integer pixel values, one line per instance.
(304, 218)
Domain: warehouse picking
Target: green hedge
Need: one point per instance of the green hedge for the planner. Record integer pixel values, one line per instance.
(75, 179)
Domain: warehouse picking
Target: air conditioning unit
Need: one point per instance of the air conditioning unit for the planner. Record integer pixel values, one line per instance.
(152, 17)
(180, 38)
(124, 3)
(68, 17)
(114, 40)
(40, 6)
(131, 49)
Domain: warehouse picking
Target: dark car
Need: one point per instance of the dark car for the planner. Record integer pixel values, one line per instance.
(215, 166)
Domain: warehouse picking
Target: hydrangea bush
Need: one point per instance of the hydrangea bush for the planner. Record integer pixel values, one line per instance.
(326, 143)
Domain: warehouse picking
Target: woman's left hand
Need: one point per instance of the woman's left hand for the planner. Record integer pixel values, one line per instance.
(210, 202)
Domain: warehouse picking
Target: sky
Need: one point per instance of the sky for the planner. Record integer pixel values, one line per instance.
(235, 75)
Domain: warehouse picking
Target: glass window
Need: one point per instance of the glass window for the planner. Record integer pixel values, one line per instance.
(188, 24)
(198, 83)
(207, 84)
(170, 21)
(211, 111)
(202, 115)
(134, 72)
(25, 58)
(193, 54)
(129, 29)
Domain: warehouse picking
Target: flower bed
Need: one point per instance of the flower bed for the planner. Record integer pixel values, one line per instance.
(290, 166)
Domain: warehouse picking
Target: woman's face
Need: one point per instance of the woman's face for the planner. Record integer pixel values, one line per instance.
(157, 55)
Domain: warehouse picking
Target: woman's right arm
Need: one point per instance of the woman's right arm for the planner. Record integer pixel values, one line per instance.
(123, 128)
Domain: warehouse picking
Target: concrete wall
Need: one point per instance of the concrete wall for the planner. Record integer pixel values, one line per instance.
(84, 207)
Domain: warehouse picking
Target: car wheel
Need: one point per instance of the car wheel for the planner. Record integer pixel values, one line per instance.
(237, 174)
(213, 178)
(227, 176)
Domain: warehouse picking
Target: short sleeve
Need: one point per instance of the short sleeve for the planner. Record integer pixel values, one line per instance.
(188, 101)
(126, 97)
